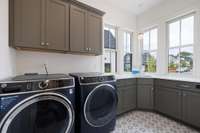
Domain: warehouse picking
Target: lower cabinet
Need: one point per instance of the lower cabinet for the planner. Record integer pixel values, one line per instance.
(145, 97)
(168, 101)
(177, 99)
(120, 101)
(127, 98)
(191, 108)
(145, 94)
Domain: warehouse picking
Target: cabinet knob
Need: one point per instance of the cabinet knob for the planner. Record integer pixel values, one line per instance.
(152, 89)
(42, 43)
(87, 49)
(184, 95)
(90, 49)
(47, 44)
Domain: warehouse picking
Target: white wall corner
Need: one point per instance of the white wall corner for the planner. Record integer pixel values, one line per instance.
(196, 70)
(162, 55)
(120, 52)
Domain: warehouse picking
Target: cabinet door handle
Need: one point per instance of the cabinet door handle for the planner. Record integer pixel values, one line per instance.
(42, 43)
(184, 86)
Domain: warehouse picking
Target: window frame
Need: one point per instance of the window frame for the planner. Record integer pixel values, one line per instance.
(110, 49)
(149, 51)
(131, 50)
(180, 46)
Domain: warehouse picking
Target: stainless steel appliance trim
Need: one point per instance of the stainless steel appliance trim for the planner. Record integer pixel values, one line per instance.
(37, 91)
(8, 118)
(86, 102)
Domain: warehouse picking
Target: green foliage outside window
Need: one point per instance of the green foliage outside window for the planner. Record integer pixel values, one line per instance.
(184, 65)
(151, 64)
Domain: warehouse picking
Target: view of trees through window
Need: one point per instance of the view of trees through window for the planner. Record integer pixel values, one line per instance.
(127, 52)
(149, 56)
(110, 54)
(181, 39)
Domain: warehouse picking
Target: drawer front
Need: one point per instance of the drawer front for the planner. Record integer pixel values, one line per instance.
(175, 84)
(126, 82)
(145, 81)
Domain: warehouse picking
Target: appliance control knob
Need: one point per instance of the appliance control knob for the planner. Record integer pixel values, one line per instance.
(43, 84)
(3, 85)
(101, 79)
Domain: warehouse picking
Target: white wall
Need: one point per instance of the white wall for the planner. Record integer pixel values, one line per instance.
(56, 63)
(158, 16)
(33, 61)
(7, 55)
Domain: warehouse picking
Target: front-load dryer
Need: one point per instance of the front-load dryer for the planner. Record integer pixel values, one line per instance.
(96, 98)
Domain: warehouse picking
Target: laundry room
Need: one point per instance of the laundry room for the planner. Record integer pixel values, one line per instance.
(99, 66)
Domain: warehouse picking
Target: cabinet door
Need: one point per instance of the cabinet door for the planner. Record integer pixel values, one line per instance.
(78, 17)
(191, 108)
(57, 25)
(129, 100)
(28, 23)
(120, 101)
(145, 97)
(168, 101)
(94, 33)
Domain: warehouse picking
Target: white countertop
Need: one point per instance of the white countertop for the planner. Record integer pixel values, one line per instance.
(177, 77)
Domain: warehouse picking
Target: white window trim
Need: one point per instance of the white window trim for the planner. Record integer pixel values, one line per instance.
(131, 51)
(180, 42)
(111, 50)
(150, 51)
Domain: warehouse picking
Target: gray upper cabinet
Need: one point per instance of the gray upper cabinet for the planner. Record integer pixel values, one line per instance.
(168, 101)
(191, 108)
(85, 31)
(78, 20)
(40, 24)
(28, 23)
(57, 25)
(94, 34)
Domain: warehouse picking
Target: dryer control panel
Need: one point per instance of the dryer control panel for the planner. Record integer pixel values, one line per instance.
(97, 79)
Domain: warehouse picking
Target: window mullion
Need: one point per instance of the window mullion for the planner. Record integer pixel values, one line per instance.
(180, 45)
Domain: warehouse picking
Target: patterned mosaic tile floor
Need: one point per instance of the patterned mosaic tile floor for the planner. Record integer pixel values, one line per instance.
(146, 122)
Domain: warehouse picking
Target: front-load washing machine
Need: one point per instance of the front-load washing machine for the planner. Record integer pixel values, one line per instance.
(37, 104)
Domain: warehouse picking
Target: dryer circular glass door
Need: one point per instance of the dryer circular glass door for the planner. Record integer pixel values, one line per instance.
(42, 113)
(100, 105)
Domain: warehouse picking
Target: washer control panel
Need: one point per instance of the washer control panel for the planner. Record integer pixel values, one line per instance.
(24, 86)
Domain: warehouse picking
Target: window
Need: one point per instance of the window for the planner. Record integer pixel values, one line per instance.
(110, 53)
(149, 56)
(127, 52)
(181, 40)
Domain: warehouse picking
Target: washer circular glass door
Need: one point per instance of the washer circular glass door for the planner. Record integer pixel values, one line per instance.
(42, 113)
(100, 105)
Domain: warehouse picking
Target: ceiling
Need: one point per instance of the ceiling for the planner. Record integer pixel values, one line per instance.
(134, 6)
